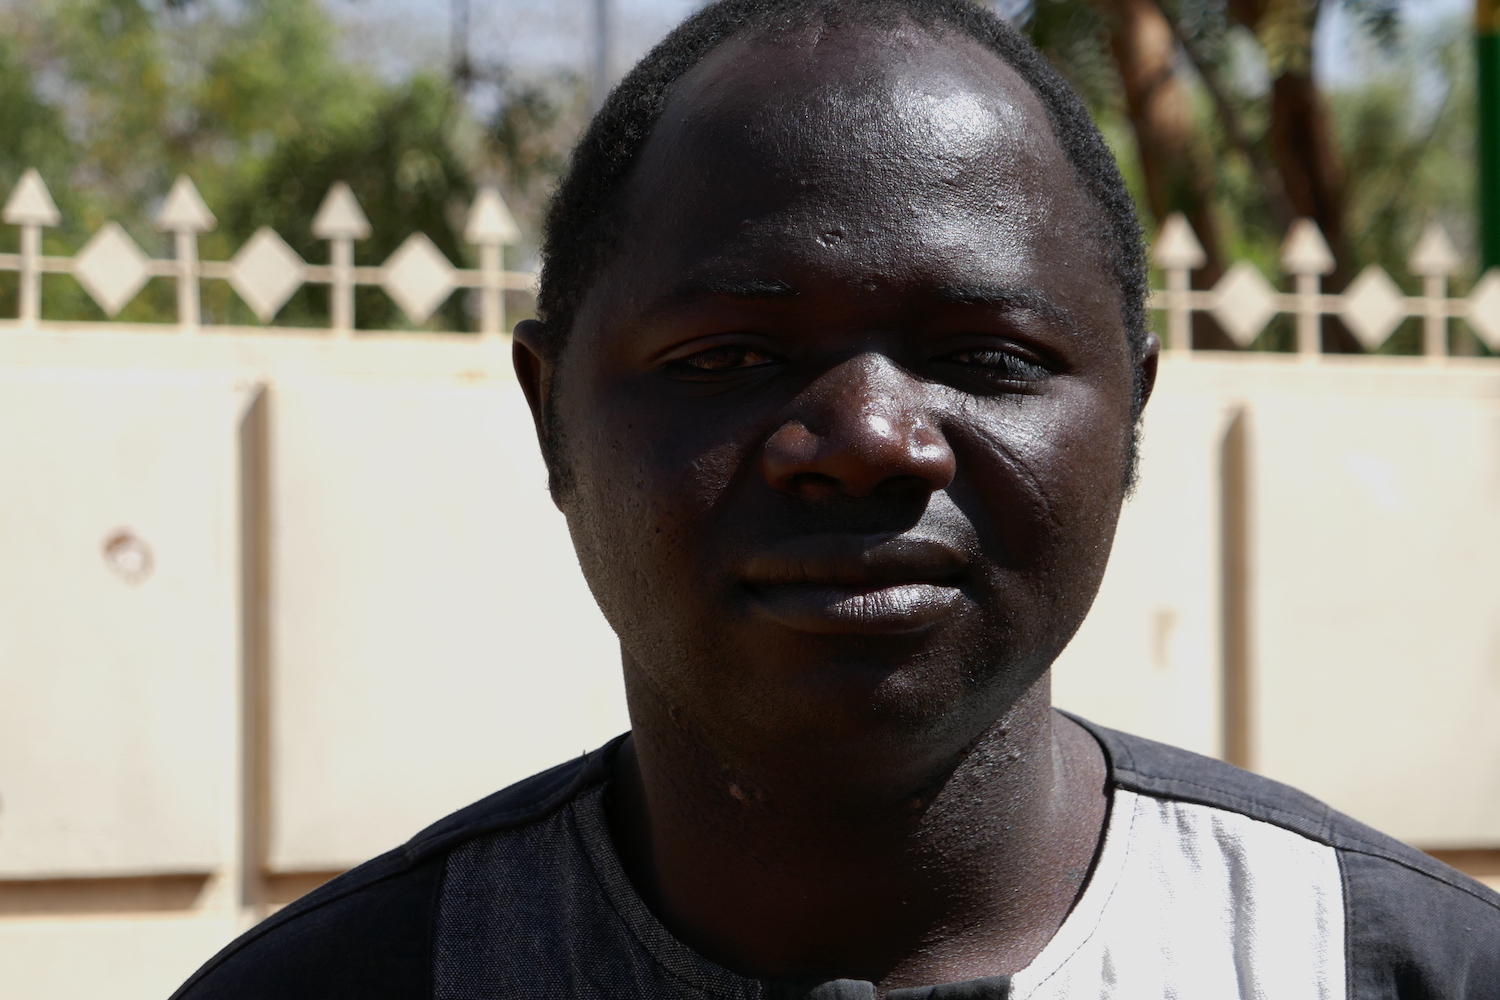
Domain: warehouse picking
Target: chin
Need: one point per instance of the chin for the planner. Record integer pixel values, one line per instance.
(848, 690)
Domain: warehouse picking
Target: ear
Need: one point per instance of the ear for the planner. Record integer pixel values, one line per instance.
(532, 369)
(1149, 360)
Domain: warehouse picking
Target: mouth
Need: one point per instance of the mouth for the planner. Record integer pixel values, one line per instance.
(852, 584)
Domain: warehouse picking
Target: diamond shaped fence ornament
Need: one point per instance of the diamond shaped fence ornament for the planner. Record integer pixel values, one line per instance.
(111, 268)
(266, 272)
(1484, 308)
(1373, 307)
(418, 277)
(1246, 302)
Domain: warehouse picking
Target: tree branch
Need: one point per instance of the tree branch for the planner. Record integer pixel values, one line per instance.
(1271, 183)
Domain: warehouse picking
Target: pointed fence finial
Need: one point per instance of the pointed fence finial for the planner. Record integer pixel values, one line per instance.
(490, 221)
(31, 207)
(490, 227)
(30, 203)
(184, 211)
(1434, 254)
(184, 215)
(1178, 253)
(341, 221)
(1306, 251)
(1306, 256)
(1177, 247)
(1434, 258)
(340, 217)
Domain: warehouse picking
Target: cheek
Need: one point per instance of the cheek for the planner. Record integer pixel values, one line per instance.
(640, 462)
(642, 497)
(710, 475)
(1050, 473)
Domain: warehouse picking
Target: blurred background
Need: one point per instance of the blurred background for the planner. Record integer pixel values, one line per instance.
(280, 582)
(1244, 115)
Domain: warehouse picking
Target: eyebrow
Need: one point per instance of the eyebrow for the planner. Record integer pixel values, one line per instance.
(709, 286)
(701, 287)
(1006, 296)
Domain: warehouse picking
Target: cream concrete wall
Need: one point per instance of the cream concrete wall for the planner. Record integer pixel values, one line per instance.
(116, 689)
(429, 636)
(425, 637)
(121, 957)
(1377, 545)
(433, 639)
(1373, 597)
(1147, 659)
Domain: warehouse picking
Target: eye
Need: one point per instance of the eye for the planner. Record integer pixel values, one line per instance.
(999, 364)
(719, 360)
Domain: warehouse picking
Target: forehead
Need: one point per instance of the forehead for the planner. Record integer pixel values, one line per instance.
(869, 152)
(883, 105)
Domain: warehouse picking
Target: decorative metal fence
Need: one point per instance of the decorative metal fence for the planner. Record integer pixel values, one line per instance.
(1373, 305)
(266, 272)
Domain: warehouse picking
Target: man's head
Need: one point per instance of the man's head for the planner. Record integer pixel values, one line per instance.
(584, 224)
(840, 356)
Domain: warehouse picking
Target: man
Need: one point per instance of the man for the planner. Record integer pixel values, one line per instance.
(840, 358)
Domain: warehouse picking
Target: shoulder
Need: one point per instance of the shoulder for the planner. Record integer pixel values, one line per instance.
(1413, 926)
(369, 933)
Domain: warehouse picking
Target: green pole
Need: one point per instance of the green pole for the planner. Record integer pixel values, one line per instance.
(1487, 46)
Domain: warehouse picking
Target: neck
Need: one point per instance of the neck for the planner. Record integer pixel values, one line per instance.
(962, 868)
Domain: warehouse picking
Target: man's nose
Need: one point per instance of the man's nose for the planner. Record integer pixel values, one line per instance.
(863, 426)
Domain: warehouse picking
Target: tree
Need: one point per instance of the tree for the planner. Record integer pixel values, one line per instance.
(32, 134)
(252, 101)
(1176, 163)
(402, 167)
(1242, 162)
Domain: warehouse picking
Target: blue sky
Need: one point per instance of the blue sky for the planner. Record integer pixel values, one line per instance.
(1340, 57)
(398, 35)
(401, 35)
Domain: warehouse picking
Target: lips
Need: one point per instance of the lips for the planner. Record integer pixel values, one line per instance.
(849, 584)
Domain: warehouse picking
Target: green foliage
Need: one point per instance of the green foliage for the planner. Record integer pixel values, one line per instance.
(403, 170)
(1406, 131)
(522, 131)
(523, 144)
(1408, 142)
(32, 134)
(1408, 137)
(112, 99)
(1075, 38)
(252, 101)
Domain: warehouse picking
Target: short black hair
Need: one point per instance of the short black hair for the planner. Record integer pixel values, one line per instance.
(583, 224)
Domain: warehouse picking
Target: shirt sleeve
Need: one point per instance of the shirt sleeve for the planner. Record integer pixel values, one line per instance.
(374, 943)
(1414, 937)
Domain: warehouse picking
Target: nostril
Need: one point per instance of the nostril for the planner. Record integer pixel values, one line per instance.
(814, 486)
(790, 454)
(897, 487)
